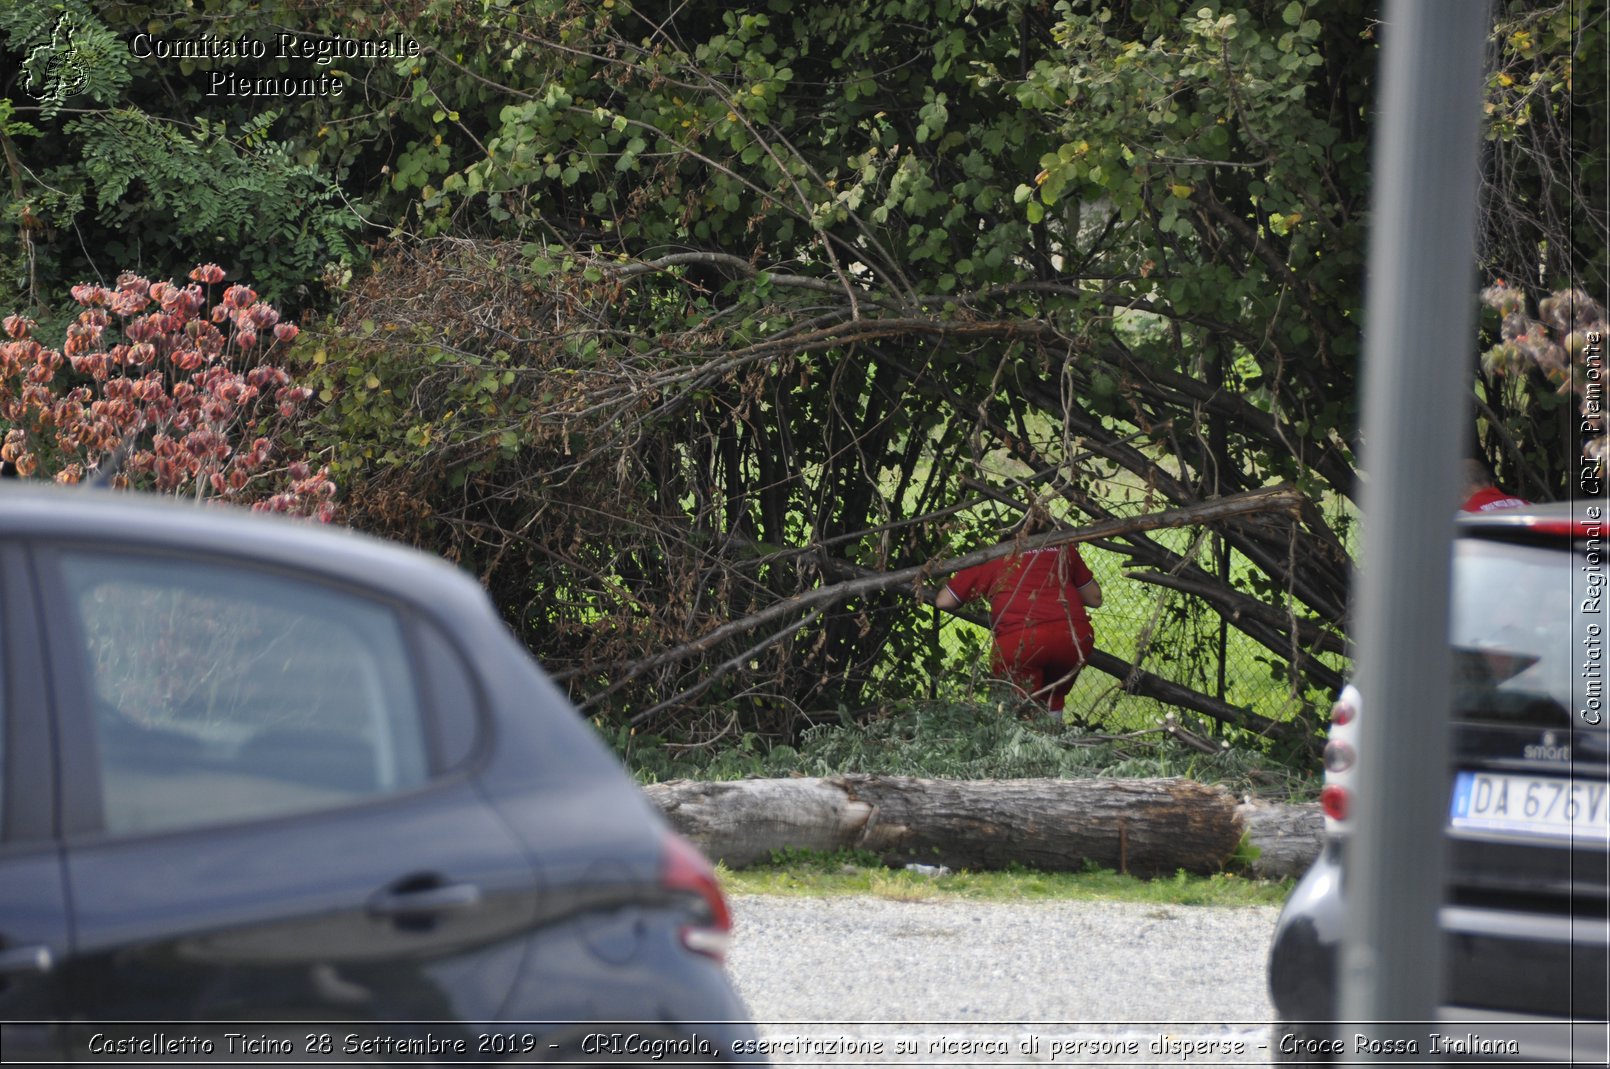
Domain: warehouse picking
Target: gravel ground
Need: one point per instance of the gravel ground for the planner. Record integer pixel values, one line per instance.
(1000, 983)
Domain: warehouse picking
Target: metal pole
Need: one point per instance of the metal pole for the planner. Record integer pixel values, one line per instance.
(1418, 340)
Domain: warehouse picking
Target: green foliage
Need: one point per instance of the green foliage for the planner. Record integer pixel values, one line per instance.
(796, 857)
(68, 52)
(962, 740)
(1245, 855)
(696, 199)
(371, 426)
(724, 306)
(787, 296)
(129, 156)
(201, 188)
(1236, 176)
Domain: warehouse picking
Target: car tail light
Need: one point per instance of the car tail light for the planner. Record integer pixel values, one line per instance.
(1339, 756)
(1334, 801)
(687, 872)
(1342, 712)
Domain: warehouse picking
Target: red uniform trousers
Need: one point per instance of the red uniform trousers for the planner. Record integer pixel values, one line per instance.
(1041, 656)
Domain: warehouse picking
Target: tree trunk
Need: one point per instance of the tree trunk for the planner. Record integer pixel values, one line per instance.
(1145, 827)
(1287, 837)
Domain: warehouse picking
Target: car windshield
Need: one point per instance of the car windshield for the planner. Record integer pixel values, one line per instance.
(1519, 633)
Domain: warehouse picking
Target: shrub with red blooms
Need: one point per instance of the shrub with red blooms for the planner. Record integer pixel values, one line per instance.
(186, 392)
(1566, 343)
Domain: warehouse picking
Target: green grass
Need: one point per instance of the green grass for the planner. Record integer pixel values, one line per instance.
(846, 873)
(996, 735)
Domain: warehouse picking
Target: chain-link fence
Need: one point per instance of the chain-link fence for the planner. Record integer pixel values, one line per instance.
(1179, 637)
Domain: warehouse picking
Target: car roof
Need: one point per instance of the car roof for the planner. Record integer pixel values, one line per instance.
(1563, 519)
(131, 518)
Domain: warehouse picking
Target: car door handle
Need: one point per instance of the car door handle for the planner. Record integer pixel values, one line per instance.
(15, 961)
(417, 901)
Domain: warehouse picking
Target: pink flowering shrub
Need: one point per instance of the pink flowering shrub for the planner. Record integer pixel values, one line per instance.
(185, 393)
(1566, 342)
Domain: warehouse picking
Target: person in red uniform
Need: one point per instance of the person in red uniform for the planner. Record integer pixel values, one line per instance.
(1038, 602)
(1480, 493)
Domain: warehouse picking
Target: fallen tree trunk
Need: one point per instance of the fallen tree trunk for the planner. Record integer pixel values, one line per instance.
(1287, 838)
(1146, 827)
(1140, 826)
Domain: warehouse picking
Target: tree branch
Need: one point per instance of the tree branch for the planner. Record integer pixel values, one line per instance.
(1273, 499)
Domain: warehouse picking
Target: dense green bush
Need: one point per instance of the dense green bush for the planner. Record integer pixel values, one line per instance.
(681, 316)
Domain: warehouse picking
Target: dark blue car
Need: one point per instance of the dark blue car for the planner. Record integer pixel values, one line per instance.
(287, 793)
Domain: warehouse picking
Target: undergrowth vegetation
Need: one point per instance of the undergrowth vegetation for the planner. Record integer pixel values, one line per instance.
(994, 736)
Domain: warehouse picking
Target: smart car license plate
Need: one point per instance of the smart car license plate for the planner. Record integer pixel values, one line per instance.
(1552, 807)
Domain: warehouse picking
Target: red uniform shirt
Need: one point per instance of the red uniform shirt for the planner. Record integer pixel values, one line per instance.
(1490, 498)
(1029, 590)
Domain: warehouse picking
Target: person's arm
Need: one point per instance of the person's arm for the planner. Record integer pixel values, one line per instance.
(965, 585)
(1089, 591)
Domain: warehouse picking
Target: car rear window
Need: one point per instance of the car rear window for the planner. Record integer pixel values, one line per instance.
(1524, 648)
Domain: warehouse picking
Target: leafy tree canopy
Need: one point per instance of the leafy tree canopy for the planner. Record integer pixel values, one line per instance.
(691, 309)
